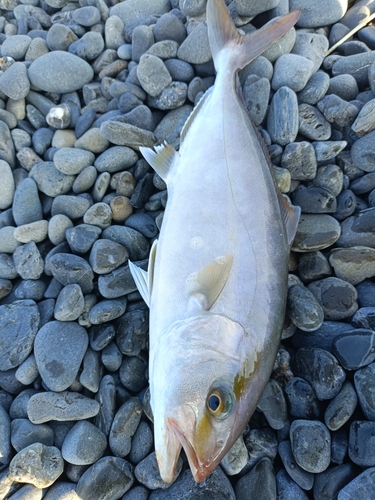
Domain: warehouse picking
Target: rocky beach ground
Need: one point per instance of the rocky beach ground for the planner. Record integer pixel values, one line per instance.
(82, 86)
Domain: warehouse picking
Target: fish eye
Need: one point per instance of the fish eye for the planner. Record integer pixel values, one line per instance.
(219, 402)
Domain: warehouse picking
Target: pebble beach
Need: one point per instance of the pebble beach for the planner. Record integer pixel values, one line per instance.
(84, 84)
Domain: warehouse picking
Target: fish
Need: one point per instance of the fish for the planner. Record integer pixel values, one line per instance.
(216, 283)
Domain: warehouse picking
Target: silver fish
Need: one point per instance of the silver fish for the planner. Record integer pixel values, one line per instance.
(216, 281)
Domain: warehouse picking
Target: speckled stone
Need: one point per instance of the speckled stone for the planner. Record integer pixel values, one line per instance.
(315, 452)
(316, 232)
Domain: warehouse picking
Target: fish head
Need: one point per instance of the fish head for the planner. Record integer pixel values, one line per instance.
(200, 396)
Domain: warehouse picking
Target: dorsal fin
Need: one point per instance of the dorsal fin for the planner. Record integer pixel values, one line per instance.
(205, 286)
(161, 160)
(290, 215)
(194, 113)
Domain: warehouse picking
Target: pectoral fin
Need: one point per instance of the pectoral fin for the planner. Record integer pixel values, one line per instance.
(290, 215)
(144, 279)
(161, 160)
(205, 286)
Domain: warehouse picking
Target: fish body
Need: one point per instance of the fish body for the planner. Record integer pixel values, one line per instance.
(216, 283)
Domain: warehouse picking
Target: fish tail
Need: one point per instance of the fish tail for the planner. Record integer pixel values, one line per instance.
(234, 51)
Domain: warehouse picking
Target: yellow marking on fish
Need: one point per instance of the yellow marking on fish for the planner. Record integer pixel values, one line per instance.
(202, 432)
(242, 378)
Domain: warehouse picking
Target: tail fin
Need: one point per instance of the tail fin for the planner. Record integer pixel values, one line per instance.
(228, 47)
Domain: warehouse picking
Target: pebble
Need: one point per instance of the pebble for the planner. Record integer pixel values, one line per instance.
(60, 72)
(303, 309)
(135, 243)
(312, 123)
(330, 482)
(353, 264)
(69, 303)
(364, 122)
(71, 161)
(299, 158)
(336, 110)
(68, 268)
(125, 134)
(300, 476)
(313, 46)
(356, 65)
(107, 255)
(132, 332)
(361, 439)
(94, 482)
(259, 482)
(49, 180)
(313, 266)
(316, 232)
(81, 237)
(293, 71)
(14, 82)
(338, 298)
(315, 89)
(7, 187)
(314, 200)
(256, 92)
(153, 75)
(282, 121)
(59, 371)
(124, 426)
(106, 310)
(115, 159)
(24, 433)
(311, 445)
(363, 378)
(15, 46)
(320, 369)
(313, 15)
(195, 48)
(362, 150)
(37, 464)
(61, 406)
(354, 349)
(35, 231)
(361, 487)
(84, 444)
(28, 261)
(344, 86)
(287, 488)
(302, 399)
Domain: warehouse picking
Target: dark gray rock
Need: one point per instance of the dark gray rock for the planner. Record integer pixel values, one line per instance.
(107, 310)
(49, 180)
(361, 443)
(293, 71)
(59, 349)
(124, 425)
(69, 303)
(142, 443)
(315, 453)
(314, 200)
(363, 380)
(338, 298)
(256, 92)
(171, 97)
(282, 121)
(5, 445)
(131, 332)
(273, 405)
(68, 268)
(287, 489)
(315, 89)
(28, 262)
(133, 373)
(329, 483)
(355, 348)
(259, 482)
(302, 400)
(344, 86)
(81, 238)
(299, 158)
(316, 232)
(313, 266)
(14, 82)
(300, 476)
(147, 473)
(312, 123)
(24, 433)
(107, 255)
(26, 204)
(356, 65)
(116, 283)
(341, 408)
(135, 243)
(359, 488)
(84, 444)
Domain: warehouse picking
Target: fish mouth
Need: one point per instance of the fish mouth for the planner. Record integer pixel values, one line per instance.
(199, 467)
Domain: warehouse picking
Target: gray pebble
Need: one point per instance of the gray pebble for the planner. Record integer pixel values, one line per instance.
(71, 206)
(361, 443)
(135, 243)
(91, 371)
(132, 330)
(26, 205)
(28, 261)
(37, 464)
(302, 477)
(116, 283)
(359, 488)
(69, 303)
(195, 48)
(303, 309)
(282, 121)
(61, 490)
(61, 406)
(147, 472)
(236, 458)
(273, 405)
(30, 289)
(287, 489)
(142, 443)
(313, 46)
(125, 134)
(315, 89)
(82, 237)
(172, 96)
(68, 268)
(84, 444)
(329, 483)
(165, 49)
(86, 16)
(293, 71)
(115, 159)
(363, 380)
(107, 255)
(85, 180)
(111, 357)
(302, 400)
(60, 72)
(7, 267)
(338, 111)
(124, 425)
(321, 369)
(5, 429)
(57, 226)
(356, 65)
(152, 74)
(362, 152)
(337, 297)
(59, 348)
(169, 27)
(136, 493)
(353, 264)
(364, 122)
(318, 14)
(260, 482)
(314, 200)
(256, 93)
(312, 123)
(341, 408)
(15, 46)
(19, 326)
(59, 37)
(94, 483)
(107, 310)
(99, 214)
(34, 231)
(311, 445)
(330, 177)
(89, 47)
(27, 492)
(14, 82)
(7, 152)
(133, 373)
(282, 46)
(344, 86)
(313, 266)
(24, 433)
(316, 232)
(299, 158)
(27, 372)
(7, 186)
(49, 180)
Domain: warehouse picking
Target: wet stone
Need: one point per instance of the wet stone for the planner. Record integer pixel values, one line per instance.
(299, 158)
(69, 303)
(81, 238)
(300, 476)
(320, 369)
(322, 337)
(302, 400)
(315, 89)
(132, 329)
(338, 298)
(361, 443)
(316, 232)
(313, 266)
(61, 406)
(341, 408)
(330, 177)
(353, 264)
(59, 349)
(108, 478)
(273, 405)
(282, 121)
(311, 445)
(18, 328)
(260, 443)
(84, 444)
(28, 261)
(312, 123)
(68, 268)
(37, 464)
(25, 433)
(355, 348)
(260, 482)
(135, 243)
(363, 382)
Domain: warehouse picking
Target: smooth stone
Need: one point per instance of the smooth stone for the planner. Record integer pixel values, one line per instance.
(143, 223)
(315, 88)
(59, 116)
(85, 180)
(355, 348)
(25, 433)
(132, 330)
(339, 446)
(195, 48)
(15, 46)
(169, 128)
(69, 303)
(338, 298)
(362, 152)
(27, 372)
(136, 244)
(94, 483)
(133, 373)
(363, 380)
(121, 208)
(7, 186)
(41, 140)
(341, 408)
(5, 445)
(57, 226)
(19, 326)
(59, 371)
(147, 473)
(300, 476)
(314, 200)
(282, 46)
(302, 399)
(330, 177)
(84, 444)
(180, 71)
(282, 121)
(171, 97)
(299, 158)
(61, 406)
(34, 231)
(361, 443)
(81, 238)
(60, 72)
(363, 184)
(254, 8)
(68, 268)
(152, 74)
(107, 310)
(293, 71)
(313, 46)
(30, 289)
(99, 214)
(124, 426)
(5, 287)
(89, 47)
(60, 37)
(14, 82)
(314, 15)
(356, 65)
(256, 94)
(364, 122)
(8, 242)
(28, 261)
(37, 464)
(72, 161)
(330, 482)
(259, 482)
(366, 291)
(125, 134)
(61, 490)
(236, 458)
(314, 454)
(316, 232)
(273, 405)
(344, 86)
(322, 337)
(8, 269)
(336, 110)
(304, 309)
(312, 123)
(86, 16)
(138, 10)
(115, 159)
(7, 152)
(107, 255)
(320, 369)
(49, 180)
(363, 486)
(353, 264)
(287, 489)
